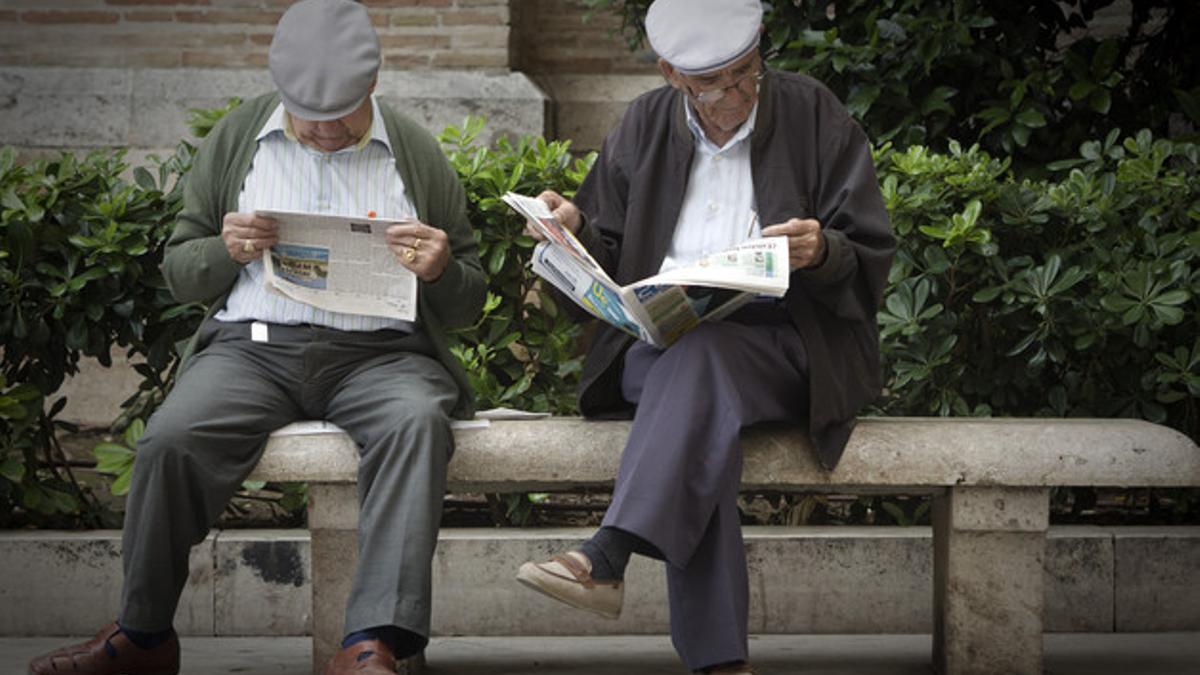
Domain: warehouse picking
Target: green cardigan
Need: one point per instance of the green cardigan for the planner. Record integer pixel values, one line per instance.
(198, 268)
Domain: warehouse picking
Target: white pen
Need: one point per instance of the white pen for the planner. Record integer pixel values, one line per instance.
(753, 222)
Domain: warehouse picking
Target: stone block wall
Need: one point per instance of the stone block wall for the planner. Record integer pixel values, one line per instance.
(812, 580)
(558, 37)
(51, 108)
(415, 34)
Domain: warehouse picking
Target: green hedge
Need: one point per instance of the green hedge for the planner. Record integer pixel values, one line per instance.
(79, 277)
(522, 353)
(1072, 295)
(79, 273)
(1030, 80)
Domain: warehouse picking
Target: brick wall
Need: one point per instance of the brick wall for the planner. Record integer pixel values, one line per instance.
(551, 37)
(415, 34)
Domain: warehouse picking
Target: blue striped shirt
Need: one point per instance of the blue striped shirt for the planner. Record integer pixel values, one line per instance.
(287, 175)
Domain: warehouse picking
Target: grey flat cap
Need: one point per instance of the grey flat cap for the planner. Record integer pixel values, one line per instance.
(698, 36)
(324, 58)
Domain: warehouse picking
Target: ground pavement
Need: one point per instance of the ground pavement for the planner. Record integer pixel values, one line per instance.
(1066, 654)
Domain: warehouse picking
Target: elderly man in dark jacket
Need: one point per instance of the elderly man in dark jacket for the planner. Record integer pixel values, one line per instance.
(679, 178)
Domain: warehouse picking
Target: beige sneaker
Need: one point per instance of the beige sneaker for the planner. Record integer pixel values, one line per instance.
(568, 578)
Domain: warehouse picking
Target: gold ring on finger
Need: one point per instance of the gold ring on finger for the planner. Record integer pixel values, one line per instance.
(410, 254)
(248, 247)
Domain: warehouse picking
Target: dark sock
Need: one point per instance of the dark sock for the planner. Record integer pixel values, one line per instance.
(146, 639)
(403, 643)
(709, 669)
(609, 550)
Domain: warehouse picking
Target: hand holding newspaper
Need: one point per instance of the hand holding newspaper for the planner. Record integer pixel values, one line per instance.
(339, 264)
(663, 307)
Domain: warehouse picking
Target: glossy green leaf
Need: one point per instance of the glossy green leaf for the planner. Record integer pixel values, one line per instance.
(12, 469)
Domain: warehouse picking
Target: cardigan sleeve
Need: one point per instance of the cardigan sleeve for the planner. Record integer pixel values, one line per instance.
(196, 265)
(458, 295)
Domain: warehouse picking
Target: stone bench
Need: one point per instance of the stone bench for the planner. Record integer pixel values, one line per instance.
(990, 478)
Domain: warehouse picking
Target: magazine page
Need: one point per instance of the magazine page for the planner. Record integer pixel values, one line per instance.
(757, 265)
(564, 262)
(339, 264)
(537, 213)
(672, 310)
(661, 308)
(596, 293)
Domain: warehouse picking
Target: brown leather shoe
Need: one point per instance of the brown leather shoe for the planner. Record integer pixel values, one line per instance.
(379, 660)
(110, 653)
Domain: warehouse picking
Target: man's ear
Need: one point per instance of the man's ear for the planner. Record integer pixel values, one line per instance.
(670, 74)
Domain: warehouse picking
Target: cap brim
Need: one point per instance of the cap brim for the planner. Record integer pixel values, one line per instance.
(722, 65)
(310, 115)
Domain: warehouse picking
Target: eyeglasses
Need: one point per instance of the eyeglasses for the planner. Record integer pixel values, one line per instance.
(713, 95)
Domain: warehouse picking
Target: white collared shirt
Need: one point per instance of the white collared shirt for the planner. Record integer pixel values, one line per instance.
(287, 175)
(718, 203)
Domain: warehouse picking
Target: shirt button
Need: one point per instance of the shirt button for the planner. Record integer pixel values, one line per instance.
(714, 207)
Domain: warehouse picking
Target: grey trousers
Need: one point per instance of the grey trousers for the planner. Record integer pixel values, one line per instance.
(382, 388)
(678, 481)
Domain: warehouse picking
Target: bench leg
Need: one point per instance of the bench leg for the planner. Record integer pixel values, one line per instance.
(333, 523)
(989, 545)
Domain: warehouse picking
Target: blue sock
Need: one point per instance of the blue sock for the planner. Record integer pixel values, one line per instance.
(403, 643)
(146, 639)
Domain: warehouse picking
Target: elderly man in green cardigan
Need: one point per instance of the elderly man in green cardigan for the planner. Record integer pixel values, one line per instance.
(322, 143)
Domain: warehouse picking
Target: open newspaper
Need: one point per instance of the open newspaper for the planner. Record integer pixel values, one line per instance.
(663, 307)
(339, 264)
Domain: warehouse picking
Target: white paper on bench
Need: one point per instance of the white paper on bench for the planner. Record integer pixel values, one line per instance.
(509, 414)
(312, 427)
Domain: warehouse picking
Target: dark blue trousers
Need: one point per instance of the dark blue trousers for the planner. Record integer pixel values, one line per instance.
(678, 482)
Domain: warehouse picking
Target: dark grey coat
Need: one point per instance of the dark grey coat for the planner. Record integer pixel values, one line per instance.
(809, 159)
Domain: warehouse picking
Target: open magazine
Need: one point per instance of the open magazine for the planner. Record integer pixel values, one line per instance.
(339, 264)
(663, 307)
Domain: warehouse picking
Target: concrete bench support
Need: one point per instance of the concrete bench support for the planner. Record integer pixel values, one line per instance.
(332, 522)
(333, 527)
(991, 479)
(987, 578)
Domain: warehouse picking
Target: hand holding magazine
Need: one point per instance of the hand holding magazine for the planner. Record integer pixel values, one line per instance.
(663, 307)
(339, 264)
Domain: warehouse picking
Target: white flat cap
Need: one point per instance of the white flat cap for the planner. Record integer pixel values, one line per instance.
(698, 36)
(324, 58)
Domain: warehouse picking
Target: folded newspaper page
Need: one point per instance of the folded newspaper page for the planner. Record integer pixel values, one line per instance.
(661, 308)
(339, 264)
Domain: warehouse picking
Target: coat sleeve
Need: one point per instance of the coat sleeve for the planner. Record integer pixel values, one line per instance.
(602, 199)
(858, 235)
